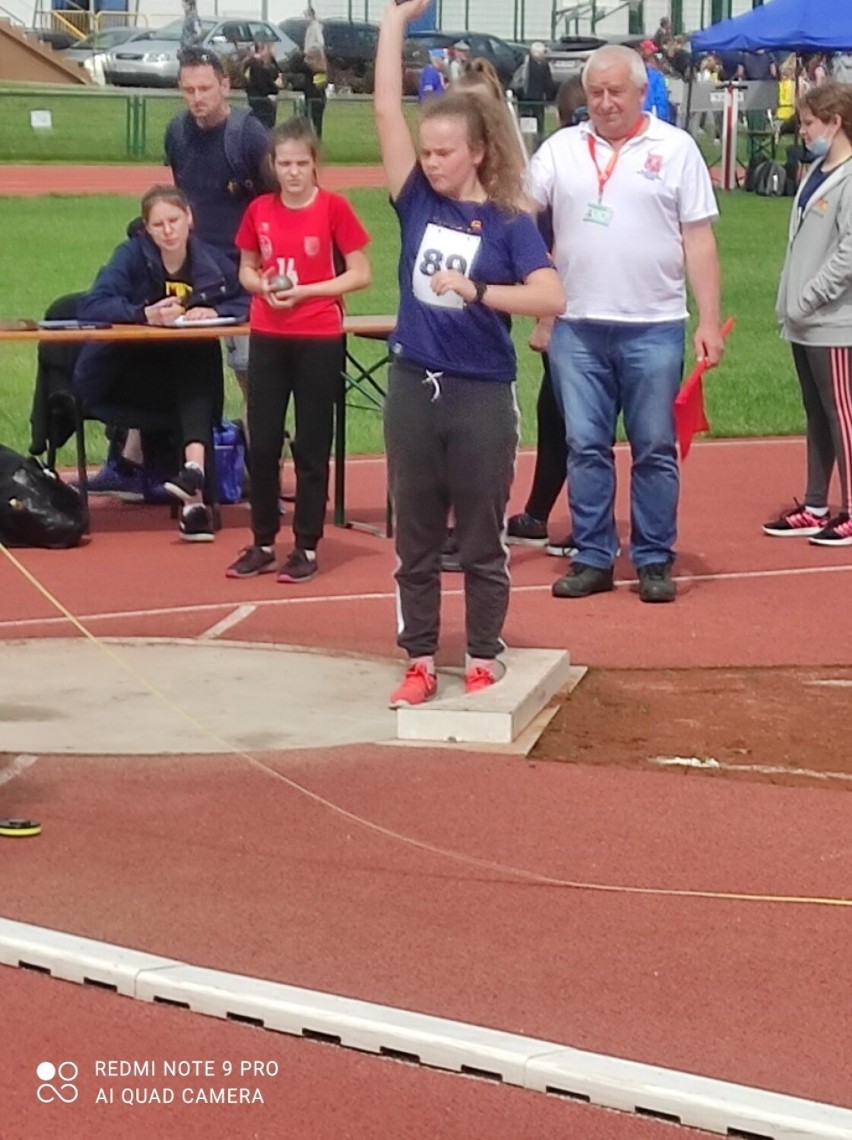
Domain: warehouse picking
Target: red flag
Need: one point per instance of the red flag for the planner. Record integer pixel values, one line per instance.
(690, 416)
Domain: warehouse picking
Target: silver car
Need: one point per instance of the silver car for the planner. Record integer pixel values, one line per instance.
(150, 59)
(91, 51)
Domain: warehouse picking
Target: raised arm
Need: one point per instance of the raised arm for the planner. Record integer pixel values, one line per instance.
(398, 153)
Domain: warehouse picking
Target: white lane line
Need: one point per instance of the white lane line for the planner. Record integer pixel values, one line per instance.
(709, 764)
(18, 765)
(239, 614)
(640, 1089)
(376, 596)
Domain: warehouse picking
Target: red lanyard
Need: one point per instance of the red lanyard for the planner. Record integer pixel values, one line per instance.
(605, 175)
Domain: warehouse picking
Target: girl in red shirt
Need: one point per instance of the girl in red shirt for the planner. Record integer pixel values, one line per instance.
(288, 242)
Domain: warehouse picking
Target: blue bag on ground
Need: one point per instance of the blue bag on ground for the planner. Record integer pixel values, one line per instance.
(36, 507)
(230, 445)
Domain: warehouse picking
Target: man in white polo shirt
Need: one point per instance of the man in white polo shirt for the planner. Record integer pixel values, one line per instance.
(632, 207)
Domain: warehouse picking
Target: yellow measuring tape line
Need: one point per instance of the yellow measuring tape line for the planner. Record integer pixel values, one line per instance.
(389, 833)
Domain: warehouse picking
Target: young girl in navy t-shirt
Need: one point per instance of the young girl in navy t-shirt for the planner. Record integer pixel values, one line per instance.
(287, 244)
(469, 258)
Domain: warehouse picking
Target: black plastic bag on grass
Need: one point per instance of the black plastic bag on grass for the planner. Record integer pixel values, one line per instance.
(36, 507)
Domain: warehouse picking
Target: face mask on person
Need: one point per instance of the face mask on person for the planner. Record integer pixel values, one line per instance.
(819, 148)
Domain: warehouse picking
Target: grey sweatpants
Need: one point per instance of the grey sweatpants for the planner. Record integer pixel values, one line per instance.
(450, 443)
(825, 376)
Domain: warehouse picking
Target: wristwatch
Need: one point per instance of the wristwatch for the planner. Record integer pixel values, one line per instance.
(480, 287)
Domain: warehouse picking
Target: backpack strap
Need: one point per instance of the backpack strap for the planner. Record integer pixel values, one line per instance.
(240, 182)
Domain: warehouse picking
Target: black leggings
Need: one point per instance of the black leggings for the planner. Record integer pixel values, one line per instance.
(309, 368)
(184, 379)
(552, 455)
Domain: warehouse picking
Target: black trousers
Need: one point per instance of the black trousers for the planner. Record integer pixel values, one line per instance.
(552, 453)
(311, 370)
(451, 444)
(185, 380)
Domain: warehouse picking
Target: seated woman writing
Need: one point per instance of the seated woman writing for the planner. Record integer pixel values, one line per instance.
(161, 274)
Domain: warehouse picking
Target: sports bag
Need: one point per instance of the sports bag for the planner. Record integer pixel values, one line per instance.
(36, 507)
(229, 442)
(770, 180)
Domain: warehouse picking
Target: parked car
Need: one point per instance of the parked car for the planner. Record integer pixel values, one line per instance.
(150, 58)
(350, 49)
(567, 55)
(91, 51)
(506, 58)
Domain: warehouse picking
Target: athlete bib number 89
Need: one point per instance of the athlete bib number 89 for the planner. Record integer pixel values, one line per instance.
(442, 248)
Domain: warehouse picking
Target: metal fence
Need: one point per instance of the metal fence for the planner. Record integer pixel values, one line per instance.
(90, 125)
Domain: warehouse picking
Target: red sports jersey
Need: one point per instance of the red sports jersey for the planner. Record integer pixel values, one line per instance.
(300, 243)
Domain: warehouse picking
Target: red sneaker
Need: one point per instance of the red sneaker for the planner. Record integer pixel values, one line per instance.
(478, 678)
(418, 685)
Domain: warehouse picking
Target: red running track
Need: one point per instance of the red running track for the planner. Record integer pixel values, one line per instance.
(36, 180)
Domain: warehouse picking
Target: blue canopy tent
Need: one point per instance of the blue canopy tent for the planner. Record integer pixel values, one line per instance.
(791, 25)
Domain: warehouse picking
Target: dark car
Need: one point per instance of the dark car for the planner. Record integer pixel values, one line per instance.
(506, 58)
(350, 49)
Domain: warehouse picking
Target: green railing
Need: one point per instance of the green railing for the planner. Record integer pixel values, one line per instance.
(91, 125)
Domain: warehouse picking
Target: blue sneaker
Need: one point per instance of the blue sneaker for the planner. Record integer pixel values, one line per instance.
(155, 490)
(120, 479)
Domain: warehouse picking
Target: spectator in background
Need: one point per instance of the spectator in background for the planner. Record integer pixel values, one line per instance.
(757, 65)
(459, 60)
(263, 82)
(814, 308)
(663, 34)
(709, 121)
(431, 81)
(529, 528)
(657, 92)
(316, 64)
(841, 67)
(536, 87)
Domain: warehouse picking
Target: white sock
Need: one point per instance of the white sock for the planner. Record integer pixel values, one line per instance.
(818, 511)
(190, 463)
(429, 662)
(311, 555)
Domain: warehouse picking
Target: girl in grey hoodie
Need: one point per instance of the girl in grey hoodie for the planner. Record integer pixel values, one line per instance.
(814, 308)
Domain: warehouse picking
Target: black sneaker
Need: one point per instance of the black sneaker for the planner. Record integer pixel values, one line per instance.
(524, 530)
(656, 583)
(298, 567)
(836, 532)
(564, 549)
(581, 580)
(187, 484)
(195, 524)
(798, 520)
(252, 560)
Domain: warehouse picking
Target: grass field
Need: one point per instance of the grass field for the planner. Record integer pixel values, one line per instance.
(54, 245)
(95, 126)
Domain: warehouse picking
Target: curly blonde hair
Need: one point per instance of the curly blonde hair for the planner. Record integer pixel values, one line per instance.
(489, 126)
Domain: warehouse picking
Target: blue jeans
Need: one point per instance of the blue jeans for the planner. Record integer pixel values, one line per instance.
(601, 369)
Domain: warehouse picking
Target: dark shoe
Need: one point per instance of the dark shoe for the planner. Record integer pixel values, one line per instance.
(797, 521)
(656, 583)
(836, 532)
(298, 567)
(120, 479)
(524, 530)
(187, 484)
(580, 581)
(253, 560)
(155, 488)
(564, 549)
(195, 524)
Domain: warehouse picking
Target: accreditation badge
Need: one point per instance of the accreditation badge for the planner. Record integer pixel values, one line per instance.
(598, 213)
(442, 248)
